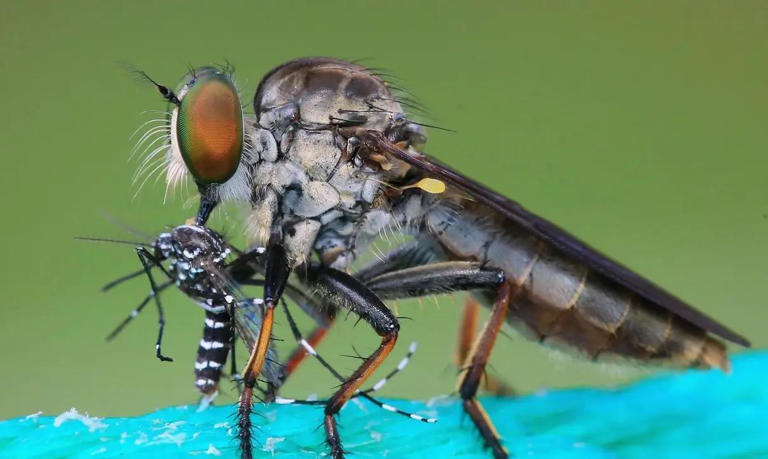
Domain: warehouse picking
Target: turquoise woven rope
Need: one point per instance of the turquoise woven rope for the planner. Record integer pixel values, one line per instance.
(693, 414)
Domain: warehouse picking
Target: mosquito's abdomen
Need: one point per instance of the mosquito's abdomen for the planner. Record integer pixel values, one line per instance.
(564, 304)
(212, 351)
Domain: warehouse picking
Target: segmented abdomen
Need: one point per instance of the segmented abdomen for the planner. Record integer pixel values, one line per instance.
(562, 303)
(212, 351)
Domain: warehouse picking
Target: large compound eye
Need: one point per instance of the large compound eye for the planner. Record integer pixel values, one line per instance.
(209, 126)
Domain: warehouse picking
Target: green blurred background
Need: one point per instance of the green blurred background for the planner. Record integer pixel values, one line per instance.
(638, 126)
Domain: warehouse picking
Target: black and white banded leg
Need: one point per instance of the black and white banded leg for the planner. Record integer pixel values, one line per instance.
(137, 310)
(147, 260)
(359, 393)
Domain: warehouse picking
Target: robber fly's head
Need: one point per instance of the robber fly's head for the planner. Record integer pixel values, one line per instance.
(192, 245)
(207, 125)
(205, 133)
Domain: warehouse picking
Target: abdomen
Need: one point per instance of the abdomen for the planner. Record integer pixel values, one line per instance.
(212, 351)
(564, 304)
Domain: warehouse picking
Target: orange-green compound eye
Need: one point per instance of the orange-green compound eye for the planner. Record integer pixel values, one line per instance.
(210, 127)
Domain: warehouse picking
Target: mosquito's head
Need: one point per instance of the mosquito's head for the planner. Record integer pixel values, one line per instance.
(163, 246)
(193, 246)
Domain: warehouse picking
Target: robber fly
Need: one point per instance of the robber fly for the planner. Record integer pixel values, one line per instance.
(194, 259)
(330, 159)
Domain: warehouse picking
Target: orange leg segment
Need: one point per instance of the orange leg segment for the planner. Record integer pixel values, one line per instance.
(259, 352)
(466, 338)
(467, 330)
(471, 374)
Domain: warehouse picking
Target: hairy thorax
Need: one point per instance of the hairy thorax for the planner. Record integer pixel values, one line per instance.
(309, 186)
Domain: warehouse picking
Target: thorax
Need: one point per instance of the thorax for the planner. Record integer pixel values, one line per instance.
(308, 182)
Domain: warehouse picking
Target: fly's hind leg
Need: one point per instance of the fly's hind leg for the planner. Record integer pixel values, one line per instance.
(474, 368)
(466, 337)
(467, 326)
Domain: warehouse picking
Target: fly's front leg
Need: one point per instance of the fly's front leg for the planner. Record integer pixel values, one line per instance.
(347, 292)
(298, 356)
(322, 315)
(276, 275)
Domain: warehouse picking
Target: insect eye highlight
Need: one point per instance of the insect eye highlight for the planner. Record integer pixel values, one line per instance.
(209, 126)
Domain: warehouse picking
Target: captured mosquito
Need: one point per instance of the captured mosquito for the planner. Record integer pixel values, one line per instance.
(197, 266)
(330, 160)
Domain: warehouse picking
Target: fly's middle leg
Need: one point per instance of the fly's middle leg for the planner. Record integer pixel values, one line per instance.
(456, 275)
(347, 292)
(276, 273)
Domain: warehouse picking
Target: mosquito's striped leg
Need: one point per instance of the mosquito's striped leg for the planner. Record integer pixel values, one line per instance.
(400, 367)
(473, 371)
(145, 257)
(322, 314)
(300, 353)
(138, 310)
(366, 393)
(307, 346)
